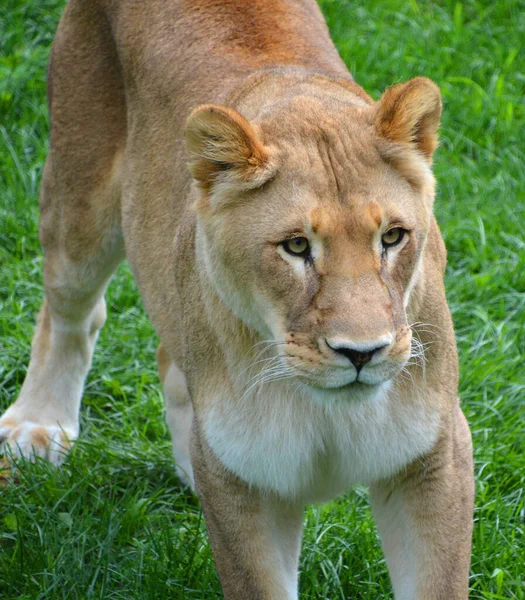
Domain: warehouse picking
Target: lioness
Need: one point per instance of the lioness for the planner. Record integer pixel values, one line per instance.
(294, 274)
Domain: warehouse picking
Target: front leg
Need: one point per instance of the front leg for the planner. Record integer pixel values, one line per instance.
(425, 520)
(255, 538)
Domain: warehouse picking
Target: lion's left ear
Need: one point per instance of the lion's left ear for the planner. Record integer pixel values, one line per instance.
(224, 147)
(409, 113)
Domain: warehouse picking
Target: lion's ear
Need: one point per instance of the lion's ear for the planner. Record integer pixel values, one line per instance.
(224, 147)
(409, 114)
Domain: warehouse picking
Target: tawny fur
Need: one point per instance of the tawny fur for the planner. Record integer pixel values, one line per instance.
(194, 138)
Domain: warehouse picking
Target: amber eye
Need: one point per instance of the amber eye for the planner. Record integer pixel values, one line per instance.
(298, 246)
(393, 237)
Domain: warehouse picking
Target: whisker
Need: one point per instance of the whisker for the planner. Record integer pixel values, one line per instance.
(257, 362)
(267, 374)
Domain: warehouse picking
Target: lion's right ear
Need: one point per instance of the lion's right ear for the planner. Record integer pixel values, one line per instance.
(223, 147)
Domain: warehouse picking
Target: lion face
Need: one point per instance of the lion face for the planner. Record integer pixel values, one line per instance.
(317, 244)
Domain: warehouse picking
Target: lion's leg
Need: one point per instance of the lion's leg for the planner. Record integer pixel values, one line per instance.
(179, 413)
(255, 537)
(425, 522)
(45, 417)
(79, 231)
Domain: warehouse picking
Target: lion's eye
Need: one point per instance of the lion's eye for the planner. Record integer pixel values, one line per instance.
(393, 237)
(298, 246)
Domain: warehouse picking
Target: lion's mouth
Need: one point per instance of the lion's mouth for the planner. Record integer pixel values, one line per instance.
(328, 383)
(339, 380)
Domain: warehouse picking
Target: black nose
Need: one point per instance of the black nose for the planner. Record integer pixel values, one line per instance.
(357, 357)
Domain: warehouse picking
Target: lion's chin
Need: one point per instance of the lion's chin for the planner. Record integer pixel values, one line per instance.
(356, 391)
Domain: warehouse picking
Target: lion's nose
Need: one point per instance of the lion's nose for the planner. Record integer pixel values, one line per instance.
(359, 357)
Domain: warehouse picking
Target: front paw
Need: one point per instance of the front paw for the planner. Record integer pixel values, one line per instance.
(29, 439)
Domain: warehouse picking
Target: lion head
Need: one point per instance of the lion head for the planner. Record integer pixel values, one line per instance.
(312, 221)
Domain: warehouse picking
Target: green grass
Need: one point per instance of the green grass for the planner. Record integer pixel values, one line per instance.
(113, 522)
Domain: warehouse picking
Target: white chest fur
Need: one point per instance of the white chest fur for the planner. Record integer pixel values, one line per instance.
(309, 448)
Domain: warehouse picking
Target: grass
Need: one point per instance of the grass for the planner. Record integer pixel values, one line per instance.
(113, 522)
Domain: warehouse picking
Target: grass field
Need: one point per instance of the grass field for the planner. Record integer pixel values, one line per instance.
(113, 522)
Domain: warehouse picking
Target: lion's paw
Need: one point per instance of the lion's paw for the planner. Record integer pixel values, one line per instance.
(27, 439)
